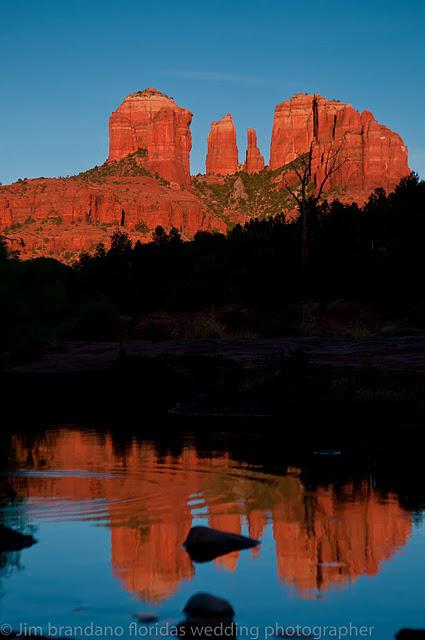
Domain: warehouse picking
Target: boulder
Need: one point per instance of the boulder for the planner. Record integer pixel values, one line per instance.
(204, 543)
(204, 605)
(146, 618)
(207, 617)
(11, 540)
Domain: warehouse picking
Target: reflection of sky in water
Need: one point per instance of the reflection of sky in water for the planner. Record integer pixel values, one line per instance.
(80, 573)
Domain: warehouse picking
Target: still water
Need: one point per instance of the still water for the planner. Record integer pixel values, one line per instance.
(110, 521)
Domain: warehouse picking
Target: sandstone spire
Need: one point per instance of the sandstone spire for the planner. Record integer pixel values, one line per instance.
(254, 160)
(222, 156)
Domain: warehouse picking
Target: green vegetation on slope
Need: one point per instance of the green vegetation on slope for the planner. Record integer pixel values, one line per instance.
(128, 166)
(257, 195)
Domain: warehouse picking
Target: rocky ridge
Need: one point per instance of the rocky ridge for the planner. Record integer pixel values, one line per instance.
(146, 180)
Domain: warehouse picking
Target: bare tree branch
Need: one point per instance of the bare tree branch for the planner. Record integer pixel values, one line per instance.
(332, 165)
(305, 200)
(292, 193)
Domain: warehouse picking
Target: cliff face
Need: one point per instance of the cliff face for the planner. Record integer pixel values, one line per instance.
(222, 156)
(59, 216)
(150, 134)
(370, 154)
(254, 161)
(151, 120)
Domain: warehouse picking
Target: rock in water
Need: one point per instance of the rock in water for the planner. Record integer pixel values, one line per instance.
(11, 540)
(204, 605)
(222, 155)
(207, 617)
(152, 121)
(204, 544)
(146, 618)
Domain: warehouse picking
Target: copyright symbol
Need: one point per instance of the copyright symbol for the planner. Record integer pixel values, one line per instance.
(5, 629)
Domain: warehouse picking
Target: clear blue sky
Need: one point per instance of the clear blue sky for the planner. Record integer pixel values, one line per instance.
(66, 64)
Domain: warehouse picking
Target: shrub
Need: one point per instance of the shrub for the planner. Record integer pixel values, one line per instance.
(142, 227)
(96, 321)
(128, 166)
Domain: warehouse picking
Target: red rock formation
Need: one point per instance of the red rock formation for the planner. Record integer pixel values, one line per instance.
(151, 120)
(55, 215)
(373, 155)
(292, 131)
(222, 156)
(254, 160)
(64, 216)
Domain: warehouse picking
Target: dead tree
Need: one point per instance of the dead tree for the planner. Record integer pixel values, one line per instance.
(307, 194)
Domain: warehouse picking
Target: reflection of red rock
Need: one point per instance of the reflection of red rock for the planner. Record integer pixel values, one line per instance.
(257, 521)
(373, 155)
(222, 156)
(323, 538)
(151, 120)
(227, 519)
(254, 161)
(338, 538)
(150, 561)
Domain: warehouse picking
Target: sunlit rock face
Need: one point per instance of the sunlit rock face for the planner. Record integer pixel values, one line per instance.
(70, 215)
(324, 539)
(61, 217)
(370, 154)
(151, 120)
(222, 156)
(254, 161)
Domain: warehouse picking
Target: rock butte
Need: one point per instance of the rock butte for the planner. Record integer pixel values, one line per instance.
(54, 216)
(153, 121)
(373, 155)
(222, 156)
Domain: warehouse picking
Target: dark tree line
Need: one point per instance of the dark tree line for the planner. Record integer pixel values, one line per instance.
(373, 254)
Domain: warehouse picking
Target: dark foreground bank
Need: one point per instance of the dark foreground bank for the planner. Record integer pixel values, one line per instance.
(361, 276)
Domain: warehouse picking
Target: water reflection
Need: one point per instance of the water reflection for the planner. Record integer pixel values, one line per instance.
(324, 538)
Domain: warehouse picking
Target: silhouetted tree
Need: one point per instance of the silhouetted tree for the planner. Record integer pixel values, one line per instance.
(121, 244)
(4, 252)
(159, 236)
(100, 251)
(307, 195)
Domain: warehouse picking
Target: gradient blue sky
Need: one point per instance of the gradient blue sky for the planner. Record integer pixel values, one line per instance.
(66, 64)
